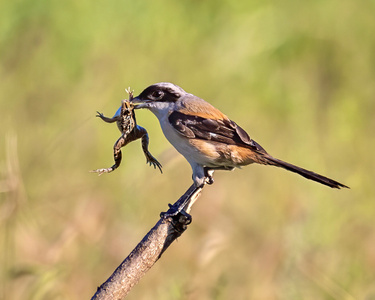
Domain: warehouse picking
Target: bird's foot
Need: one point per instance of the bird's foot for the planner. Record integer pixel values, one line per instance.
(209, 173)
(177, 212)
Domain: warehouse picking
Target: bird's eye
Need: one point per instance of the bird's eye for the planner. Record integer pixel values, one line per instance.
(156, 95)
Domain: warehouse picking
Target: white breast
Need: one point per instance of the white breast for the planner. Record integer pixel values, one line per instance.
(182, 144)
(193, 155)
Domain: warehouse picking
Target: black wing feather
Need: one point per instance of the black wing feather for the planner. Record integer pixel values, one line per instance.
(180, 126)
(222, 131)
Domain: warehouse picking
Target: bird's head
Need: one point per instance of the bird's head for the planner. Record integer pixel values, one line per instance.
(159, 96)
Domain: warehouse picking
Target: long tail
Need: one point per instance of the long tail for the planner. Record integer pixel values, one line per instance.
(269, 160)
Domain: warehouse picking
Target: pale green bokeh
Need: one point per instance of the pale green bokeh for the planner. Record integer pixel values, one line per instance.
(297, 75)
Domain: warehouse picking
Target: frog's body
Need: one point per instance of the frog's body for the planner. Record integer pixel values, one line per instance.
(126, 123)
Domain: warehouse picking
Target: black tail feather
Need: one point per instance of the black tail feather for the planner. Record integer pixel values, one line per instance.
(303, 172)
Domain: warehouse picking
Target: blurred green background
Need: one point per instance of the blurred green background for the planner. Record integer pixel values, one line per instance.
(297, 75)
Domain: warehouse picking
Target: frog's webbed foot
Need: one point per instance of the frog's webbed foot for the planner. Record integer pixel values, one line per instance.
(106, 119)
(102, 171)
(153, 161)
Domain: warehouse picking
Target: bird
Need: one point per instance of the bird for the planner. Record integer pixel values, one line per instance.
(206, 137)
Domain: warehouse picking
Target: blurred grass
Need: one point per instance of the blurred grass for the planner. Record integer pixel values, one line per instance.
(298, 76)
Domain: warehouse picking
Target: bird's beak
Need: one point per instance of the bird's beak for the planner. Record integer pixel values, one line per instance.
(138, 103)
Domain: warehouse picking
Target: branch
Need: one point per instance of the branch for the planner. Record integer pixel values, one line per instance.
(170, 226)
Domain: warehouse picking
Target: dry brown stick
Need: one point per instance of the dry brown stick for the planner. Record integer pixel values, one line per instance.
(148, 251)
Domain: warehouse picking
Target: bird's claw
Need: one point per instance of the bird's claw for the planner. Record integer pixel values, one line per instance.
(177, 213)
(209, 180)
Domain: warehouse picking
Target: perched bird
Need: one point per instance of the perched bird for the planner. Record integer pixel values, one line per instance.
(206, 137)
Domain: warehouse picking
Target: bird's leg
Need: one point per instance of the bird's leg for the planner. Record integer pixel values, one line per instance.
(183, 204)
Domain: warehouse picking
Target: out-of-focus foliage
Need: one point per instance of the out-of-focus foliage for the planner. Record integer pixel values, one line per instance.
(297, 75)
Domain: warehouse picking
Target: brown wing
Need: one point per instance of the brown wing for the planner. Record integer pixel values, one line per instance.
(222, 131)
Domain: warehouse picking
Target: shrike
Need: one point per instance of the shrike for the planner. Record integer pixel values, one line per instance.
(206, 137)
